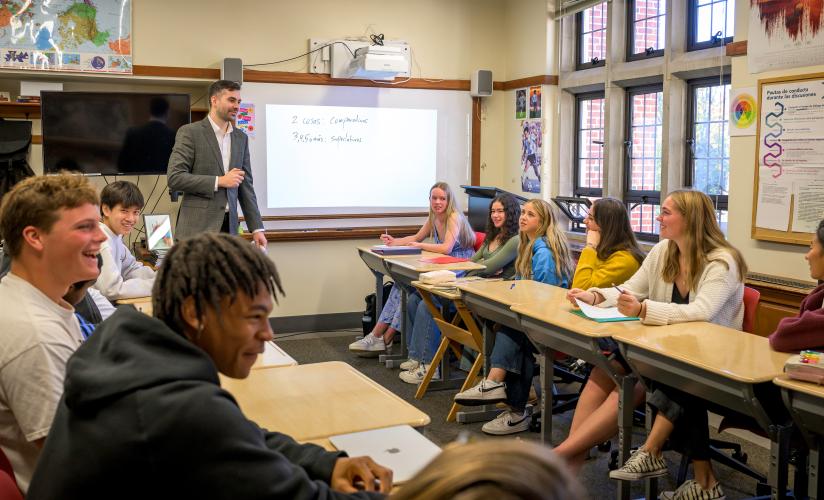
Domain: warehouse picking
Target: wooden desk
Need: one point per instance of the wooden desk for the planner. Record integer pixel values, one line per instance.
(452, 335)
(142, 304)
(493, 299)
(273, 357)
(315, 401)
(404, 270)
(551, 324)
(728, 367)
(805, 401)
(375, 264)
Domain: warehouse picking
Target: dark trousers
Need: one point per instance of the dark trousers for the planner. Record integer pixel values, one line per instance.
(224, 228)
(688, 413)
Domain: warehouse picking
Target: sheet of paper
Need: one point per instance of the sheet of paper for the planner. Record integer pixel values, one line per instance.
(596, 312)
(773, 202)
(808, 208)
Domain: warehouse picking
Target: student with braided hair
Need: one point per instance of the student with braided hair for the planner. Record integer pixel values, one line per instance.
(144, 411)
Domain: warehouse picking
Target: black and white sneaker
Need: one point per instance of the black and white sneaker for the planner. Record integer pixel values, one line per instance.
(640, 465)
(485, 392)
(509, 422)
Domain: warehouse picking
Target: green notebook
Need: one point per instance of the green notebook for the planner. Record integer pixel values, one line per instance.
(603, 320)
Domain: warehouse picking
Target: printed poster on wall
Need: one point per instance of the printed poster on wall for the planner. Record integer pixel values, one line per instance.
(791, 156)
(245, 119)
(535, 102)
(743, 112)
(520, 104)
(530, 169)
(67, 35)
(785, 34)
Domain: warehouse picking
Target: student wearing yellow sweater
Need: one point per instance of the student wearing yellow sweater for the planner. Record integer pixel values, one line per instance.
(611, 255)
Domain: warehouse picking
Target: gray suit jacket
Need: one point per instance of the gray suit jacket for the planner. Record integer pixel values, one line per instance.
(193, 166)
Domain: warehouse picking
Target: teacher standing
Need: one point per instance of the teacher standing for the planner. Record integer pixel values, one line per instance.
(210, 165)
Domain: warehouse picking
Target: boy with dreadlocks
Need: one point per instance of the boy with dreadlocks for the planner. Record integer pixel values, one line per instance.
(143, 405)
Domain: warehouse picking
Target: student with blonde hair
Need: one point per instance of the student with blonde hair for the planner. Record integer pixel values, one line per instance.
(452, 235)
(692, 274)
(543, 255)
(499, 469)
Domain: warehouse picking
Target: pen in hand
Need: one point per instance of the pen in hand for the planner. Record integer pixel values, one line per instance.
(616, 287)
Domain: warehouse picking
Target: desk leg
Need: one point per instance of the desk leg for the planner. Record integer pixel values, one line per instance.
(815, 484)
(378, 294)
(650, 485)
(547, 373)
(394, 360)
(779, 460)
(626, 390)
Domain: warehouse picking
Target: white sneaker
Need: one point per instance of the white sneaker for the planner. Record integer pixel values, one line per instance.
(485, 392)
(368, 347)
(691, 490)
(509, 422)
(640, 465)
(410, 364)
(416, 376)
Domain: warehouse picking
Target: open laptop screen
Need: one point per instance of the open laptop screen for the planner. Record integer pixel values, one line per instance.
(158, 231)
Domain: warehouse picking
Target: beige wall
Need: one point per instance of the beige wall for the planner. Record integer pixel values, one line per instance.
(762, 257)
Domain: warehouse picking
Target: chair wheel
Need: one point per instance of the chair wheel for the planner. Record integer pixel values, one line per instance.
(605, 446)
(535, 424)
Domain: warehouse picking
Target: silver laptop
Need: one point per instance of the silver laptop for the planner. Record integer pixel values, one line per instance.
(400, 448)
(158, 232)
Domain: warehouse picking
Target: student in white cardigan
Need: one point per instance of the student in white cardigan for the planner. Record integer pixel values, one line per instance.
(692, 274)
(121, 276)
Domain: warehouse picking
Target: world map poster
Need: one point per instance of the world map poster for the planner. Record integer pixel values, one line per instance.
(66, 35)
(785, 34)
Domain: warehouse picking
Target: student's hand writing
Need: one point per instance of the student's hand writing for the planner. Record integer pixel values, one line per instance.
(577, 293)
(387, 240)
(628, 305)
(232, 179)
(349, 473)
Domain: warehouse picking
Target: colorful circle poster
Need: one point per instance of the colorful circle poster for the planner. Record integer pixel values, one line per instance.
(743, 112)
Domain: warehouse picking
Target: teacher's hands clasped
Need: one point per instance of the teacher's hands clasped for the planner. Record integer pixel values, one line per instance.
(351, 475)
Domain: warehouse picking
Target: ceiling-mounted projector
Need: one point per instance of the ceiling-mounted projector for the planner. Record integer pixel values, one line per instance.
(378, 62)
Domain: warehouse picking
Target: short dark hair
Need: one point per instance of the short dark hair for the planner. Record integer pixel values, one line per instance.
(36, 201)
(221, 85)
(123, 193)
(819, 233)
(210, 267)
(158, 107)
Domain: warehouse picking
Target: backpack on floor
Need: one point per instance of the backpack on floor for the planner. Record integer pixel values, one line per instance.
(370, 314)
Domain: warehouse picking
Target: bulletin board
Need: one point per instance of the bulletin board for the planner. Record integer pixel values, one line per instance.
(788, 192)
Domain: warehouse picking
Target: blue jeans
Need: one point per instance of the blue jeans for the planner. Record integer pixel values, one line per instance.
(391, 313)
(425, 337)
(514, 353)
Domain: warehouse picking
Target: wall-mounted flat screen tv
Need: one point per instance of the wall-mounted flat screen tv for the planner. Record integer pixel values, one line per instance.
(111, 133)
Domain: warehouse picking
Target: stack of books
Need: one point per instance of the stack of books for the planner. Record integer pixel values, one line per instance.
(32, 99)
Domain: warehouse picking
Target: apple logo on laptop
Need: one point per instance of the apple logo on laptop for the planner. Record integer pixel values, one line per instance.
(392, 451)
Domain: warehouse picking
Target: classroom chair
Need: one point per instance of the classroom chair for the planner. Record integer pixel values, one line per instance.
(479, 240)
(8, 485)
(737, 460)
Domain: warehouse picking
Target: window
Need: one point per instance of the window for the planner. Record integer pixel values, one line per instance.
(592, 37)
(589, 145)
(646, 29)
(711, 23)
(644, 145)
(708, 141)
